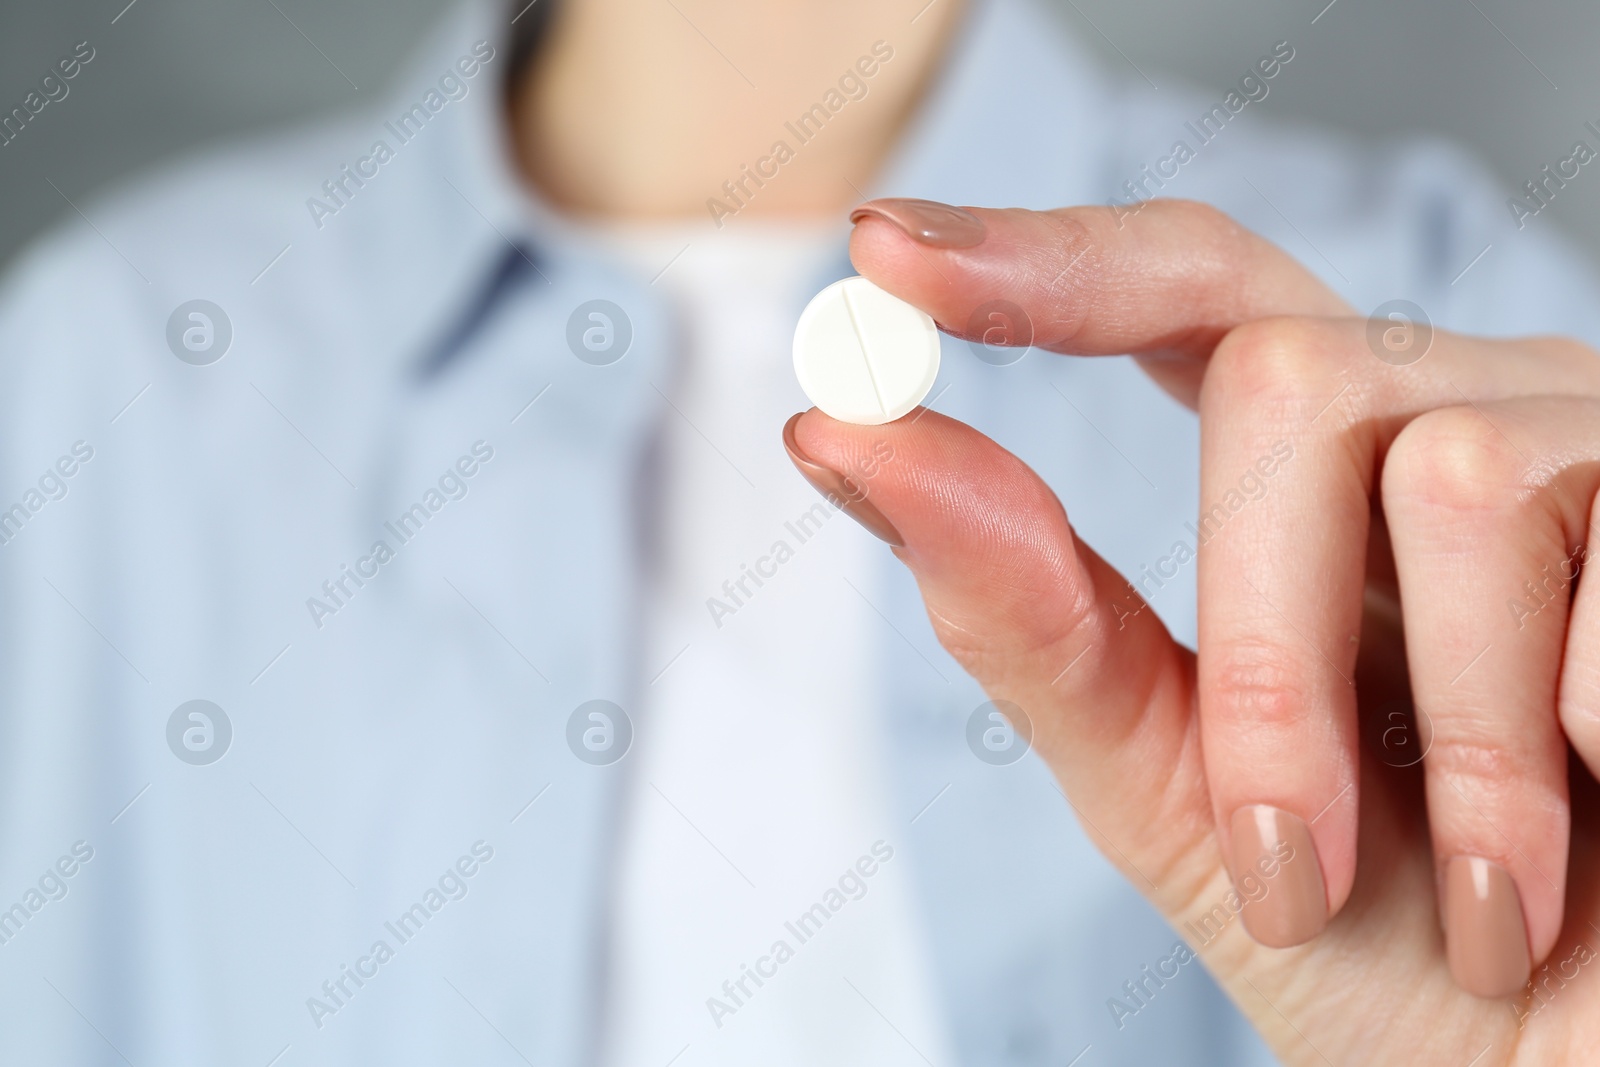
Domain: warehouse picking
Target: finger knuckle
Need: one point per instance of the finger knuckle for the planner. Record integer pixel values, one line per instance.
(1017, 627)
(1279, 368)
(1074, 228)
(1076, 269)
(1454, 459)
(1196, 214)
(1257, 686)
(1474, 764)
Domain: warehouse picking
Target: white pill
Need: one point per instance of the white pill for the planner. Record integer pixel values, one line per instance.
(864, 356)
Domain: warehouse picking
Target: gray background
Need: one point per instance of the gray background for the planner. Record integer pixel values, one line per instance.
(1514, 80)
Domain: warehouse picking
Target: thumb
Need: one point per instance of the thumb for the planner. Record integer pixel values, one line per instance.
(1043, 623)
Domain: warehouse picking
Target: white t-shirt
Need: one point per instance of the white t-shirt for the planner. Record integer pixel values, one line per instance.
(746, 926)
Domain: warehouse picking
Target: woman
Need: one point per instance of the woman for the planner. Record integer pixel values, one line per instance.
(620, 749)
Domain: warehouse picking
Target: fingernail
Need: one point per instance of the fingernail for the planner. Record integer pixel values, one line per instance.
(844, 493)
(1275, 849)
(926, 221)
(1484, 933)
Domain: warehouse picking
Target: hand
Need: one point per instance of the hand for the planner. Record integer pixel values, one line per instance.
(1408, 506)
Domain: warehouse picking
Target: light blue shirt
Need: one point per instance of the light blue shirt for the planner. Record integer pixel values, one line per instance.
(399, 372)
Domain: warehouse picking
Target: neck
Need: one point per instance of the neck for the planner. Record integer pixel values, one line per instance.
(665, 108)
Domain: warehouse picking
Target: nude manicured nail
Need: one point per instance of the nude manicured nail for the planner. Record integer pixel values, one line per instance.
(1273, 851)
(926, 221)
(1484, 932)
(843, 492)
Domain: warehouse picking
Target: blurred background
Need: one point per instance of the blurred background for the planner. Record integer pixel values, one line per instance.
(1513, 80)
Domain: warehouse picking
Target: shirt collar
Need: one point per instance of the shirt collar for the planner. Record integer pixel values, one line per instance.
(475, 154)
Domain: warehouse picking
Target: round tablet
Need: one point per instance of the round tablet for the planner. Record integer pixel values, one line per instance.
(864, 356)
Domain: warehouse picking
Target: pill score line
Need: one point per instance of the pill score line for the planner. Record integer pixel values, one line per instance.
(866, 352)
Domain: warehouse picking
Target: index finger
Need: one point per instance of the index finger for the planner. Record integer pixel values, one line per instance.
(1170, 281)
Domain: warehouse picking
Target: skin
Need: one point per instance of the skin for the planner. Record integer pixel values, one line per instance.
(1479, 465)
(632, 113)
(1379, 564)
